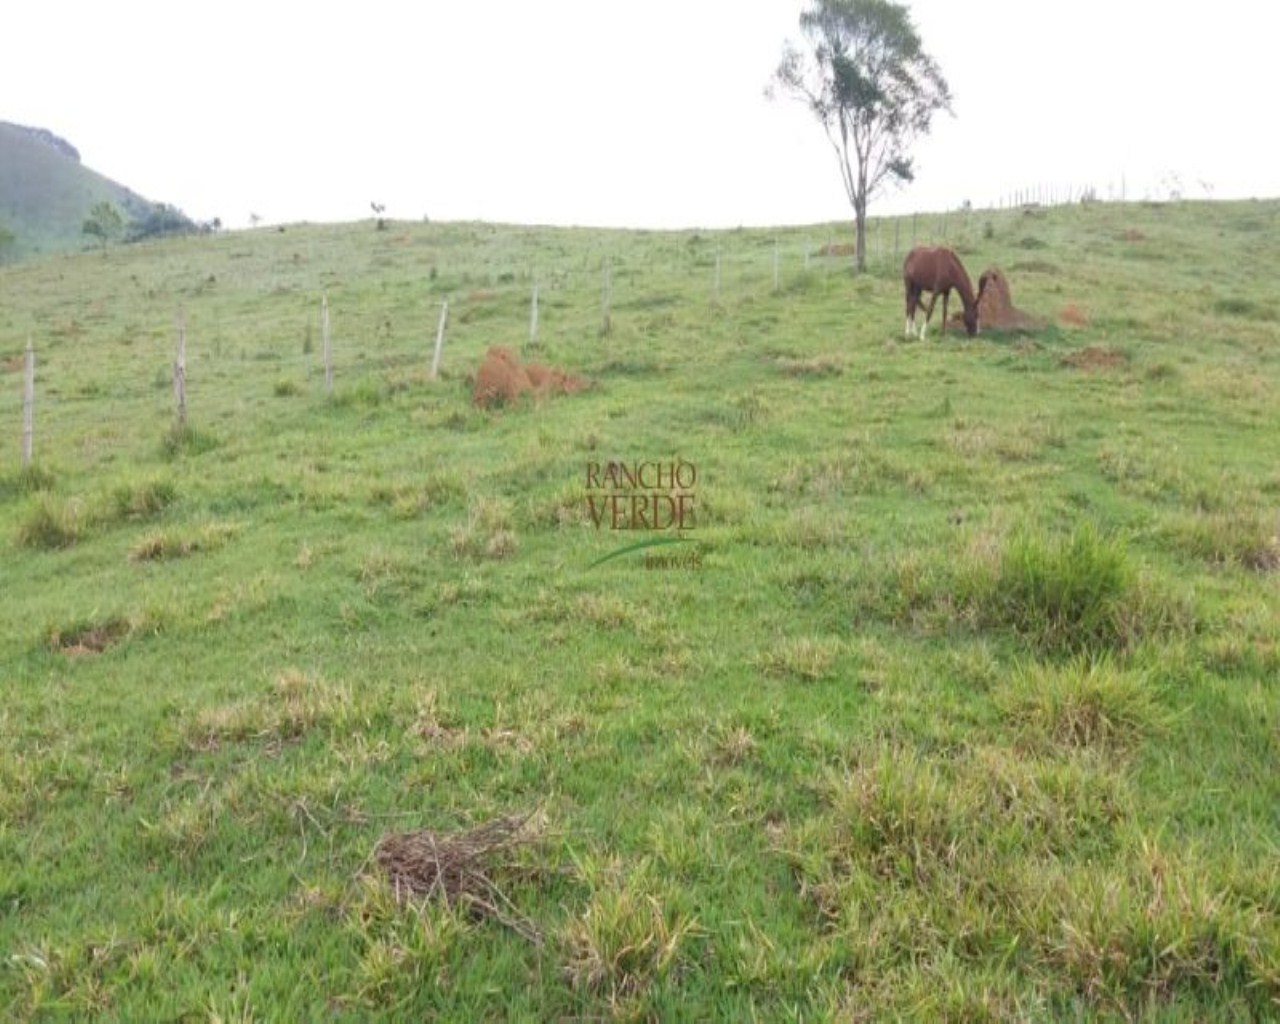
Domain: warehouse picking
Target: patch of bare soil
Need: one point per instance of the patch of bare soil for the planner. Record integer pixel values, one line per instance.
(1072, 315)
(1095, 359)
(93, 638)
(1132, 235)
(502, 379)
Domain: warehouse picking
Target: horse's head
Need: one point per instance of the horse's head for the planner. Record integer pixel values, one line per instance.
(971, 320)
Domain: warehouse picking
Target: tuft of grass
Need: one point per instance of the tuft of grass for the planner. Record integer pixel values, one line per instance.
(1087, 704)
(1063, 597)
(165, 545)
(487, 532)
(184, 439)
(144, 500)
(807, 659)
(628, 938)
(51, 525)
(296, 704)
(817, 366)
(1240, 538)
(286, 389)
(30, 479)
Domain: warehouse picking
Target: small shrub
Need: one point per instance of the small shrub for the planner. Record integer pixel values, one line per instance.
(286, 389)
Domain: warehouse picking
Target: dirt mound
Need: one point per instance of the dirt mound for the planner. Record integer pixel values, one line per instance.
(1095, 359)
(996, 310)
(1132, 235)
(1073, 316)
(501, 379)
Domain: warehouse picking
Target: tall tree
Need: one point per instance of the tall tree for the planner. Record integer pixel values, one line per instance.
(866, 78)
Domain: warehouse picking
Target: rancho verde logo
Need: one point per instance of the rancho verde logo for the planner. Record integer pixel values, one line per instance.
(654, 502)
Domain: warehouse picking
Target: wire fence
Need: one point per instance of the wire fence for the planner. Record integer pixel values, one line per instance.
(278, 316)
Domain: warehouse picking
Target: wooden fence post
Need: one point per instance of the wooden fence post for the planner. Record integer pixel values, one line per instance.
(435, 360)
(28, 406)
(324, 344)
(180, 372)
(605, 300)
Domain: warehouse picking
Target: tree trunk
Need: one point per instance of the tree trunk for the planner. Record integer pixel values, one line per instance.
(860, 229)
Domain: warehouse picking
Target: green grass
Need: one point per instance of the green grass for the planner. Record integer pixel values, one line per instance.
(960, 702)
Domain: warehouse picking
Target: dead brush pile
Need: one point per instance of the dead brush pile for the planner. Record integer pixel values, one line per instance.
(459, 867)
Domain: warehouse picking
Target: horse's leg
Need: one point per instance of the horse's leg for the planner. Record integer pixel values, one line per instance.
(913, 300)
(928, 315)
(945, 296)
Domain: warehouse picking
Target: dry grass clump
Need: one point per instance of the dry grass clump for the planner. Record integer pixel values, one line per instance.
(458, 868)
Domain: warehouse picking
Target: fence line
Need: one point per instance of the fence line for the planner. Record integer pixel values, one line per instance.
(28, 405)
(489, 295)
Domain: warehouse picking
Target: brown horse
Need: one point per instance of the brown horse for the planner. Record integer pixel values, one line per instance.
(937, 271)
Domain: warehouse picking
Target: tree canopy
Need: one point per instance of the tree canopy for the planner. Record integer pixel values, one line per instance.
(866, 78)
(104, 223)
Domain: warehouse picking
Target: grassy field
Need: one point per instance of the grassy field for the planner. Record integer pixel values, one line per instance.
(961, 700)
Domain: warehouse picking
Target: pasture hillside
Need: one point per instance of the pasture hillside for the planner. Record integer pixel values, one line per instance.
(959, 699)
(46, 193)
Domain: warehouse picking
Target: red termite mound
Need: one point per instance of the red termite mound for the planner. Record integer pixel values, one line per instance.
(501, 379)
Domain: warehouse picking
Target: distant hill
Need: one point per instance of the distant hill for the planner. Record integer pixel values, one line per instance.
(46, 193)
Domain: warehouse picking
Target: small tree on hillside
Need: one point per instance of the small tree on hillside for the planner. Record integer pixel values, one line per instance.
(104, 223)
(868, 81)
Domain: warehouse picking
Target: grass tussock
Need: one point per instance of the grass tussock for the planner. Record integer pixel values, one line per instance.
(296, 704)
(1086, 704)
(1240, 539)
(1076, 594)
(51, 524)
(167, 545)
(182, 439)
(487, 533)
(30, 479)
(629, 937)
(144, 500)
(816, 366)
(805, 659)
(1164, 930)
(988, 860)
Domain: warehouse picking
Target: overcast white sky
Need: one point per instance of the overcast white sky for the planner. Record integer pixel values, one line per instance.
(623, 113)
